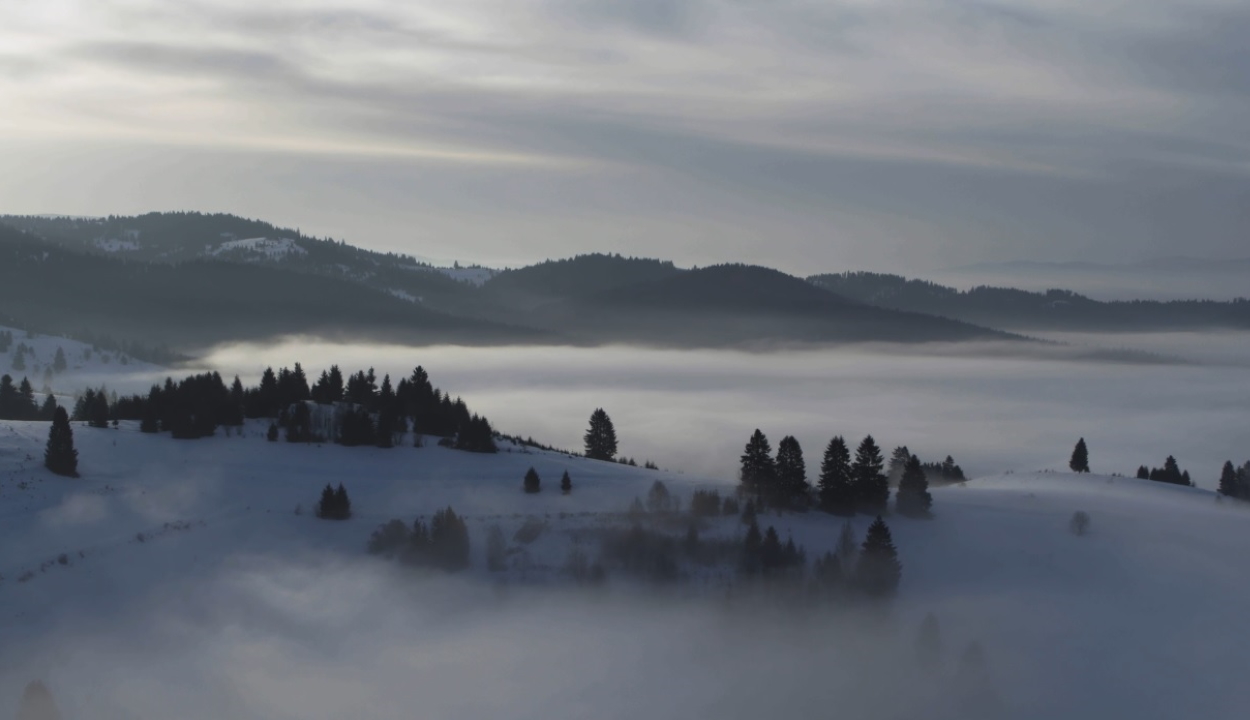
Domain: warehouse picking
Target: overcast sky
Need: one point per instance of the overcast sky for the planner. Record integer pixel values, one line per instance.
(809, 135)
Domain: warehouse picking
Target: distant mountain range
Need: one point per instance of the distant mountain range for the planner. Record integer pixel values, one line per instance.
(1021, 310)
(190, 280)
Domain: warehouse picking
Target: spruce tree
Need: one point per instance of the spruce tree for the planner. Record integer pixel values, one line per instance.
(8, 399)
(792, 489)
(533, 483)
(59, 363)
(1143, 472)
(1228, 480)
(898, 463)
(872, 488)
(566, 483)
(878, 572)
(342, 504)
(600, 437)
(60, 456)
(1080, 457)
(49, 408)
(913, 498)
(759, 472)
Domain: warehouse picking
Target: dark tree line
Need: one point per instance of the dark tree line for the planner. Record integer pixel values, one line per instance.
(358, 410)
(846, 485)
(1235, 481)
(1170, 473)
(18, 402)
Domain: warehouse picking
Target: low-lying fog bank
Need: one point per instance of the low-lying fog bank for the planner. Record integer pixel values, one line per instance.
(694, 410)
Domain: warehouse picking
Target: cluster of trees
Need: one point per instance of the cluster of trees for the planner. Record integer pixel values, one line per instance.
(363, 413)
(846, 486)
(765, 555)
(17, 402)
(870, 569)
(1169, 473)
(443, 544)
(708, 503)
(334, 504)
(1235, 481)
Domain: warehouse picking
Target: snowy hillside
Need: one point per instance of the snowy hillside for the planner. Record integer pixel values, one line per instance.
(1158, 582)
(85, 365)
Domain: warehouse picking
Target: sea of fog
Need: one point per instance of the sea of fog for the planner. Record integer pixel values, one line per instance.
(692, 411)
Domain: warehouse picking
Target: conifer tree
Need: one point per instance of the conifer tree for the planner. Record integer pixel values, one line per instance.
(1143, 472)
(770, 551)
(1228, 480)
(600, 436)
(847, 548)
(49, 408)
(759, 472)
(878, 572)
(566, 483)
(1080, 457)
(792, 488)
(342, 504)
(913, 498)
(27, 409)
(59, 364)
(60, 456)
(872, 488)
(533, 483)
(898, 463)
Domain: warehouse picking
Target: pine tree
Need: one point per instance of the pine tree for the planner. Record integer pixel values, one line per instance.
(60, 456)
(792, 488)
(9, 405)
(28, 409)
(898, 463)
(1228, 480)
(1080, 457)
(878, 572)
(752, 545)
(566, 483)
(533, 483)
(49, 408)
(872, 488)
(1143, 472)
(913, 498)
(759, 472)
(600, 436)
(59, 364)
(342, 504)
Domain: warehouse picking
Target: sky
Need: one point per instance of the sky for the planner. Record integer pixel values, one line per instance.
(811, 136)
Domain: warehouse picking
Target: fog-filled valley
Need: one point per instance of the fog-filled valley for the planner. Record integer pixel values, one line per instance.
(624, 360)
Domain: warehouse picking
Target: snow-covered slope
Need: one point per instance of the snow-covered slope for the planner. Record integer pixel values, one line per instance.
(85, 365)
(1141, 617)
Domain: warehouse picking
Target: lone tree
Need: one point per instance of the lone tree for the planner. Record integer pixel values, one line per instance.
(913, 498)
(566, 483)
(1080, 457)
(759, 472)
(872, 488)
(600, 437)
(878, 573)
(533, 483)
(837, 494)
(60, 456)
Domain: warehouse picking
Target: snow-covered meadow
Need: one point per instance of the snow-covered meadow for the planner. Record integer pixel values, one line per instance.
(177, 579)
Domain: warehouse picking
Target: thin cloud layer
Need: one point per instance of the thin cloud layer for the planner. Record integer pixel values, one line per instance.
(901, 134)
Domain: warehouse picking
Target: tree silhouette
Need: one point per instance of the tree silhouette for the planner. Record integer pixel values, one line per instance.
(600, 436)
(913, 498)
(1080, 457)
(792, 489)
(533, 483)
(759, 472)
(878, 572)
(60, 456)
(566, 483)
(872, 488)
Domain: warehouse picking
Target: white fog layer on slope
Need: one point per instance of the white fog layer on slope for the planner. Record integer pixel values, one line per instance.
(234, 606)
(694, 410)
